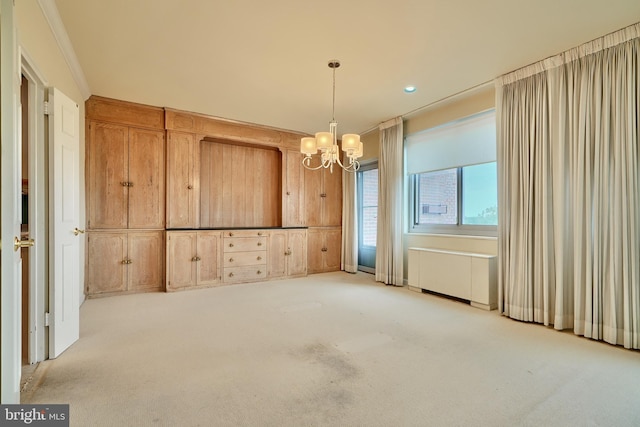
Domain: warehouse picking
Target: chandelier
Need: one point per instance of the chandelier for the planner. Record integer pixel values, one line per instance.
(327, 142)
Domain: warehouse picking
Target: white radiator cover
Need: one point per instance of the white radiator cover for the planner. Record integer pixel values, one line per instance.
(465, 275)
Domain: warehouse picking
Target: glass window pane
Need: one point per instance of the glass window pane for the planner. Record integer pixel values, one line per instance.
(437, 197)
(480, 194)
(369, 206)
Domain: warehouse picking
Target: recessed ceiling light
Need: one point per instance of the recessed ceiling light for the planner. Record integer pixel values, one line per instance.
(410, 89)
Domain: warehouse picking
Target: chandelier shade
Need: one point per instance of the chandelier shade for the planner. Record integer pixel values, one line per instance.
(327, 142)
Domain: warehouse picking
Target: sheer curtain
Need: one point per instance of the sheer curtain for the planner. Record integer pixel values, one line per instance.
(569, 190)
(389, 250)
(349, 261)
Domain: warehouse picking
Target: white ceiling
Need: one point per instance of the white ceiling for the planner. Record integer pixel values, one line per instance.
(265, 62)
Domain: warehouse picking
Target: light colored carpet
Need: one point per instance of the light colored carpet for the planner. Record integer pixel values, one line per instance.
(330, 349)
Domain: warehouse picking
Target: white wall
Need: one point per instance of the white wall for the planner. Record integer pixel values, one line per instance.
(37, 40)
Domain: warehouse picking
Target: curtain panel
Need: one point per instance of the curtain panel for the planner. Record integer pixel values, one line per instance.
(349, 257)
(569, 190)
(389, 249)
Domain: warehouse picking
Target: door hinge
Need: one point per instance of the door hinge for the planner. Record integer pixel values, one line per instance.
(47, 319)
(46, 108)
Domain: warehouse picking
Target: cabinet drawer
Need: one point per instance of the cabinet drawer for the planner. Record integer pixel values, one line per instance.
(240, 259)
(245, 274)
(244, 244)
(245, 233)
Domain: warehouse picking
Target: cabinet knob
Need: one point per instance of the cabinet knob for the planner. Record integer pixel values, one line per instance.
(230, 259)
(259, 233)
(324, 249)
(230, 245)
(259, 258)
(190, 187)
(323, 195)
(230, 274)
(288, 193)
(259, 272)
(124, 183)
(129, 184)
(124, 261)
(259, 243)
(127, 261)
(230, 234)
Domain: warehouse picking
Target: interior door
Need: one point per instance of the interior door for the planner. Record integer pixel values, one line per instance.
(66, 260)
(10, 212)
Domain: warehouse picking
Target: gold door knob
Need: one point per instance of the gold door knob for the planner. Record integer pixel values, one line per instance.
(77, 231)
(17, 243)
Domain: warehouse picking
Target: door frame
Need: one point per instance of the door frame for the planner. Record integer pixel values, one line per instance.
(38, 224)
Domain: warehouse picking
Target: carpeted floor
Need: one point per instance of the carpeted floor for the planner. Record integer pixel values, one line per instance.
(330, 349)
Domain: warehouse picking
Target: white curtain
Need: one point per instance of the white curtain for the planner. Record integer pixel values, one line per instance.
(349, 261)
(569, 190)
(389, 250)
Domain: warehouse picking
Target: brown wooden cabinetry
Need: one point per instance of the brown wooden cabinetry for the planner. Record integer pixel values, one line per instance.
(323, 197)
(245, 255)
(125, 177)
(124, 261)
(193, 259)
(293, 199)
(183, 180)
(287, 253)
(324, 247)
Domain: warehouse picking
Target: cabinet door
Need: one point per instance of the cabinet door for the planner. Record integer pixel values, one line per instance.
(146, 178)
(145, 260)
(182, 180)
(106, 263)
(208, 252)
(332, 200)
(181, 262)
(315, 254)
(333, 246)
(297, 252)
(108, 162)
(293, 189)
(277, 253)
(312, 197)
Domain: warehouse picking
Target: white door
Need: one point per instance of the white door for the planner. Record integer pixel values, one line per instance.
(10, 212)
(65, 259)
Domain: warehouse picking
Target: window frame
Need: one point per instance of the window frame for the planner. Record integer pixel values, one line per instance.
(454, 229)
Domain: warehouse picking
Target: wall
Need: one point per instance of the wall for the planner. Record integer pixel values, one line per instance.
(466, 104)
(38, 43)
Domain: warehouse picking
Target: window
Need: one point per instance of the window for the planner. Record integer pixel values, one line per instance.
(453, 177)
(456, 200)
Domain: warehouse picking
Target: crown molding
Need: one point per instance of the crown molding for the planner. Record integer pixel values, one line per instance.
(51, 14)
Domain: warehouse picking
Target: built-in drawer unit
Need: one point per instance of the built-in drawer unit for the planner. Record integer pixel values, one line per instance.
(244, 255)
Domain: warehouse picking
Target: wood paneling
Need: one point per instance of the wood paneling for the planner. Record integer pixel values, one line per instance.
(293, 194)
(146, 178)
(124, 113)
(240, 186)
(324, 248)
(145, 254)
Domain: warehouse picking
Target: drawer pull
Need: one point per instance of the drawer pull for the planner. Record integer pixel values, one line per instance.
(323, 195)
(230, 245)
(190, 187)
(230, 234)
(259, 272)
(259, 233)
(259, 258)
(230, 259)
(230, 274)
(259, 243)
(324, 249)
(288, 252)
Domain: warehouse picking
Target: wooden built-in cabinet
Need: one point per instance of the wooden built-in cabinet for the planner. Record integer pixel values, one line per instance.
(287, 253)
(193, 259)
(245, 255)
(152, 171)
(323, 197)
(124, 262)
(183, 180)
(125, 177)
(323, 249)
(293, 199)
